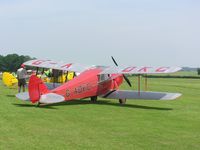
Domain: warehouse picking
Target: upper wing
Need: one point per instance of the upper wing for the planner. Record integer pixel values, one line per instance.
(57, 65)
(140, 70)
(125, 94)
(60, 65)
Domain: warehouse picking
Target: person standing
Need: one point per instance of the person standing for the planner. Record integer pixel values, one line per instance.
(21, 76)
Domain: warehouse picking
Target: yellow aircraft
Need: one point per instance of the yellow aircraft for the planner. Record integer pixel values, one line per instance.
(9, 80)
(61, 78)
(70, 75)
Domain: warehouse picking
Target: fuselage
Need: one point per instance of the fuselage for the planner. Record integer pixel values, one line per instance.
(89, 83)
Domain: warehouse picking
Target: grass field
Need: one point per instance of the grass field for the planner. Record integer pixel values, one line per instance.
(185, 73)
(191, 74)
(138, 125)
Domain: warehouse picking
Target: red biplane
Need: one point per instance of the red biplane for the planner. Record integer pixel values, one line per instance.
(92, 82)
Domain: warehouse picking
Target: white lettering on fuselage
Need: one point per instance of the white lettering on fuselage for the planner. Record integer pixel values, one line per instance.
(82, 88)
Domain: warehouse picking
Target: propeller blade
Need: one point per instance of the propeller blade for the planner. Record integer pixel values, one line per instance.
(114, 61)
(127, 80)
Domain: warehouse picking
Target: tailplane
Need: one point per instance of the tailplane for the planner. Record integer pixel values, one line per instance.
(38, 92)
(23, 96)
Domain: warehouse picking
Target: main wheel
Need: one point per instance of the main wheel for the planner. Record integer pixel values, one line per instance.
(38, 104)
(122, 101)
(93, 99)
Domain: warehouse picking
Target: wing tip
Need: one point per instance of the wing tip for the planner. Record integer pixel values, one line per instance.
(172, 96)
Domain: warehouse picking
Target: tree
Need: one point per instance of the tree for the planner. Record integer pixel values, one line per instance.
(198, 71)
(12, 62)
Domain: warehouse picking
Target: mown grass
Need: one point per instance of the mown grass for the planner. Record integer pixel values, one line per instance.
(139, 124)
(179, 74)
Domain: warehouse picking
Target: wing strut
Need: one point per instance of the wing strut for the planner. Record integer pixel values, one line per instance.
(139, 85)
(37, 71)
(145, 82)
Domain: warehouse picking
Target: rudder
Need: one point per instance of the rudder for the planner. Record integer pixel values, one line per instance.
(36, 88)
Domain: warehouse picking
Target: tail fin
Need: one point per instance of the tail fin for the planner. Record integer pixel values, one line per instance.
(36, 88)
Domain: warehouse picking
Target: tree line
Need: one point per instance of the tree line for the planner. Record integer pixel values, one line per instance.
(12, 62)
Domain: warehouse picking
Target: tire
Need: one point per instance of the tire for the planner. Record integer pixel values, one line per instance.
(122, 101)
(93, 99)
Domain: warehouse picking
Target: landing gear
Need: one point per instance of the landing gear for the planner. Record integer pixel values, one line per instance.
(122, 101)
(94, 99)
(38, 104)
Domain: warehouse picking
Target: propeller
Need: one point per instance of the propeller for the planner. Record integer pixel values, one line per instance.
(126, 79)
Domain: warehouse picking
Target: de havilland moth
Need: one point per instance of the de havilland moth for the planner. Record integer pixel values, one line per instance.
(92, 82)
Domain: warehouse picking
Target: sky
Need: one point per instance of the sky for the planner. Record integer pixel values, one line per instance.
(135, 32)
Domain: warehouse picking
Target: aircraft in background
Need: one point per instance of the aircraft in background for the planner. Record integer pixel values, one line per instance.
(9, 79)
(92, 82)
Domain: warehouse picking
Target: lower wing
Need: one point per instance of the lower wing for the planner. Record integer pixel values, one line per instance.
(127, 94)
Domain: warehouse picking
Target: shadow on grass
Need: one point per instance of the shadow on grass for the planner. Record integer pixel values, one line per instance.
(103, 102)
(32, 105)
(10, 95)
(87, 102)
